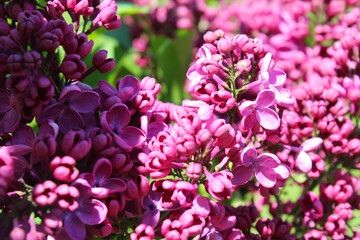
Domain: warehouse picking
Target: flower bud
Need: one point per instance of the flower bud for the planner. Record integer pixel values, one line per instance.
(194, 171)
(63, 169)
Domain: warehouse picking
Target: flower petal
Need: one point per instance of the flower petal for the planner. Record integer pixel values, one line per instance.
(23, 135)
(92, 212)
(248, 156)
(311, 144)
(115, 185)
(264, 99)
(102, 170)
(118, 116)
(242, 175)
(266, 176)
(86, 102)
(133, 136)
(4, 100)
(246, 108)
(10, 121)
(268, 118)
(283, 171)
(69, 93)
(100, 192)
(248, 121)
(303, 162)
(266, 62)
(69, 119)
(277, 77)
(106, 88)
(128, 87)
(74, 227)
(151, 217)
(268, 160)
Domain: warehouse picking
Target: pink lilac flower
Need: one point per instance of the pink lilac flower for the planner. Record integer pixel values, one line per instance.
(262, 166)
(219, 184)
(303, 161)
(259, 111)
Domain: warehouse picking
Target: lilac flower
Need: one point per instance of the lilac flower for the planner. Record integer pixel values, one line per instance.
(89, 212)
(274, 79)
(263, 166)
(9, 118)
(303, 161)
(63, 169)
(219, 185)
(42, 146)
(72, 102)
(100, 182)
(259, 111)
(115, 122)
(143, 232)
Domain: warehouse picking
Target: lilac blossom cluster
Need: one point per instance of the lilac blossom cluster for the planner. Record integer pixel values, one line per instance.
(311, 120)
(75, 159)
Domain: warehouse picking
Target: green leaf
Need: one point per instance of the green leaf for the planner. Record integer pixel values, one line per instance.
(126, 8)
(300, 177)
(354, 222)
(291, 192)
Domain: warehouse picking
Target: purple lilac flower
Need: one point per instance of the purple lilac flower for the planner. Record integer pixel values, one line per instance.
(100, 182)
(115, 122)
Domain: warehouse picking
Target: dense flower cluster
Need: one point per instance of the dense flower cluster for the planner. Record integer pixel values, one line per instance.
(273, 108)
